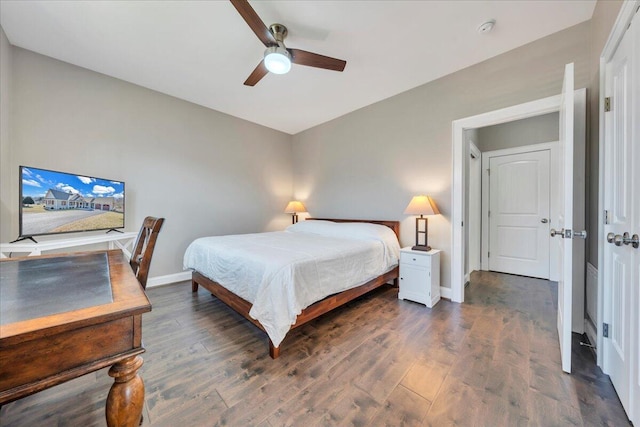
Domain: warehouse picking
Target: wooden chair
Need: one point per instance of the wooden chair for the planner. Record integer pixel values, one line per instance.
(143, 249)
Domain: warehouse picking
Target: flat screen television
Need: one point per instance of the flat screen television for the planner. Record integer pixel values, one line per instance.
(54, 202)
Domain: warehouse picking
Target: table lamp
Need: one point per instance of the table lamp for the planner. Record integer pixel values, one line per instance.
(421, 205)
(294, 207)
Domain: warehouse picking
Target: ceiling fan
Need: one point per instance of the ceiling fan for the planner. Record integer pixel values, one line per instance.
(277, 57)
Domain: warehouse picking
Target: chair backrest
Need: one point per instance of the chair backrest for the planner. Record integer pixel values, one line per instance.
(143, 249)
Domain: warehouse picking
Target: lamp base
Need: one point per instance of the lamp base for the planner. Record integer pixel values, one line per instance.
(421, 248)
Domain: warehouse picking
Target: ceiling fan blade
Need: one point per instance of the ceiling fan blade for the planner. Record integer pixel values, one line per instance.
(255, 23)
(257, 74)
(310, 59)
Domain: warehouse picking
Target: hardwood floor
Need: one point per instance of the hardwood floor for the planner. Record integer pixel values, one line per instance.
(493, 361)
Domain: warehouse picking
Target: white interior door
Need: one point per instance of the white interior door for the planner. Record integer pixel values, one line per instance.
(635, 302)
(519, 214)
(621, 193)
(563, 225)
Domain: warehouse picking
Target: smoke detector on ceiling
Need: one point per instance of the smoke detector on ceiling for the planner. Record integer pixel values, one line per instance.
(487, 26)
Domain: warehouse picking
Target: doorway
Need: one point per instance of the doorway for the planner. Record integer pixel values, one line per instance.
(460, 190)
(517, 209)
(499, 141)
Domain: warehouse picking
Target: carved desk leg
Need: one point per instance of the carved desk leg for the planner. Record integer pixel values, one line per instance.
(126, 397)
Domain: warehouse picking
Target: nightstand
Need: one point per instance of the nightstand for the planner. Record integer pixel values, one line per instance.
(420, 276)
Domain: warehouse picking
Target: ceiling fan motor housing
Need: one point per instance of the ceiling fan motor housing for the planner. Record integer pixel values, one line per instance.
(279, 32)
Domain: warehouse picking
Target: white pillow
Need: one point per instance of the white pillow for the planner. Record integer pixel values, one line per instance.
(313, 226)
(368, 231)
(353, 230)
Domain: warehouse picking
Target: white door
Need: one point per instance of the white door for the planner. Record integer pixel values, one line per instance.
(563, 225)
(519, 214)
(621, 194)
(634, 414)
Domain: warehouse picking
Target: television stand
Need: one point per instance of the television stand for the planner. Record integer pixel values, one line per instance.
(20, 239)
(123, 241)
(114, 230)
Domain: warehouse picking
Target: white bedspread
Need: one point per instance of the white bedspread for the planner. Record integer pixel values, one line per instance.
(281, 273)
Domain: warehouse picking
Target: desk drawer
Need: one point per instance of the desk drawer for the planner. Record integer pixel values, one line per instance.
(415, 259)
(43, 360)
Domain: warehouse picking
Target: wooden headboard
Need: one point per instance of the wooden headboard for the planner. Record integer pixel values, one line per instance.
(393, 225)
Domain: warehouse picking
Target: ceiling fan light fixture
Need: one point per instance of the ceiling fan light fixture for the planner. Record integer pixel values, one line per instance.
(277, 60)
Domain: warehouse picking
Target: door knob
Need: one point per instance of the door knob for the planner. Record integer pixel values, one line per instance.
(555, 233)
(580, 234)
(633, 240)
(616, 239)
(544, 220)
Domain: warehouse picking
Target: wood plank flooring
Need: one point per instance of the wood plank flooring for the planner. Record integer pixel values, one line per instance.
(493, 361)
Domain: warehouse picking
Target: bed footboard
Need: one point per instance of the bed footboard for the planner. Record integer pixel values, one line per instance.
(331, 302)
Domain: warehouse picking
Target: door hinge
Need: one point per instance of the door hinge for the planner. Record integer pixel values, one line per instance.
(606, 216)
(605, 330)
(488, 254)
(489, 172)
(607, 104)
(489, 215)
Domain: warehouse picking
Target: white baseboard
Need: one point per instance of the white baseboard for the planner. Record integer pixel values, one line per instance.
(186, 275)
(168, 279)
(592, 293)
(591, 332)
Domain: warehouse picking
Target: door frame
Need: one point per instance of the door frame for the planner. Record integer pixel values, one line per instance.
(486, 156)
(626, 14)
(474, 258)
(538, 107)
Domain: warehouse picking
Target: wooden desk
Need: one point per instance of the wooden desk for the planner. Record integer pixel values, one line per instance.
(63, 316)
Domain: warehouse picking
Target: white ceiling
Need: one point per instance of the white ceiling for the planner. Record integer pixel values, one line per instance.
(202, 51)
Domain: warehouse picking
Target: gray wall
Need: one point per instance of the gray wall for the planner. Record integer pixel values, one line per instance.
(366, 164)
(533, 130)
(5, 148)
(370, 163)
(206, 172)
(602, 20)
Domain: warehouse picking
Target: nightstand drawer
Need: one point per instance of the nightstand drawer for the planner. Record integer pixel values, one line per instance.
(417, 260)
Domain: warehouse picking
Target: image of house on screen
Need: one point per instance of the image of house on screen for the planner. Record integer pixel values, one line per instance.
(58, 200)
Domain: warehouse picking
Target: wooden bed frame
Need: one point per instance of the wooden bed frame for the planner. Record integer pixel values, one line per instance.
(319, 308)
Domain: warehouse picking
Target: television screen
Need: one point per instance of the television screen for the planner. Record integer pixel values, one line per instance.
(56, 202)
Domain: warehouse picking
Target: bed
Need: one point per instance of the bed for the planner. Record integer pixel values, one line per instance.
(282, 280)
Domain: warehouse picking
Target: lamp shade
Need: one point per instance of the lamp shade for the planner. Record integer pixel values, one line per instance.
(295, 206)
(421, 205)
(277, 60)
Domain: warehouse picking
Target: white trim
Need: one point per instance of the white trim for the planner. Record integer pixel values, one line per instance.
(627, 11)
(591, 282)
(484, 223)
(517, 112)
(591, 332)
(467, 278)
(519, 150)
(486, 157)
(473, 149)
(168, 279)
(445, 292)
(474, 238)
